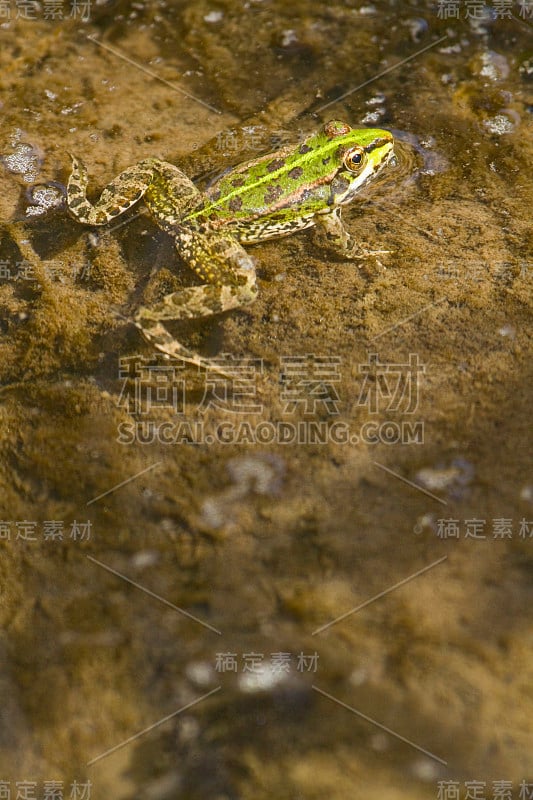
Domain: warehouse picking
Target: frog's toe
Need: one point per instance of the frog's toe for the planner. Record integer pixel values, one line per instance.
(358, 253)
(117, 314)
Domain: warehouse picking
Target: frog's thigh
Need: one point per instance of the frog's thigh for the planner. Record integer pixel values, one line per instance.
(119, 195)
(169, 195)
(216, 258)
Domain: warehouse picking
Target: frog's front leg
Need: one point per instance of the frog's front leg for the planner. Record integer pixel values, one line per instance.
(341, 239)
(230, 272)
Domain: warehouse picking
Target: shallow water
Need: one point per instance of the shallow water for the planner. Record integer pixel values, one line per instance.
(316, 574)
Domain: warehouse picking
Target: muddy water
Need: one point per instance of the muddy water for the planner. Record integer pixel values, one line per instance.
(314, 574)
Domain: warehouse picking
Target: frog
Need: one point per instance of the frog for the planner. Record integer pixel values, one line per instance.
(288, 190)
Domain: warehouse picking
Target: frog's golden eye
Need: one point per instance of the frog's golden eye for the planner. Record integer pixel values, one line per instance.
(355, 159)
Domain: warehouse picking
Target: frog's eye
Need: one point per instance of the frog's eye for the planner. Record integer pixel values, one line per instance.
(355, 159)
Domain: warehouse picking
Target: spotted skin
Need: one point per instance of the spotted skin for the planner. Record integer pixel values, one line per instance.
(275, 195)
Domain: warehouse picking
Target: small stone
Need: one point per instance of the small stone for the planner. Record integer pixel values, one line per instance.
(509, 331)
(213, 16)
(499, 124)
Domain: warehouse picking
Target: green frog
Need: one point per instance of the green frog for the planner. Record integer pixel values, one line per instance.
(294, 188)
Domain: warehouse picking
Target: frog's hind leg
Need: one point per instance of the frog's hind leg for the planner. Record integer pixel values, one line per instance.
(119, 195)
(230, 273)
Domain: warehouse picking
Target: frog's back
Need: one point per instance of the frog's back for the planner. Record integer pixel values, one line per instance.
(284, 191)
(274, 194)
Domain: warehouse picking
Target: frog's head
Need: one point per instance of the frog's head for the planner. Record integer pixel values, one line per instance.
(359, 155)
